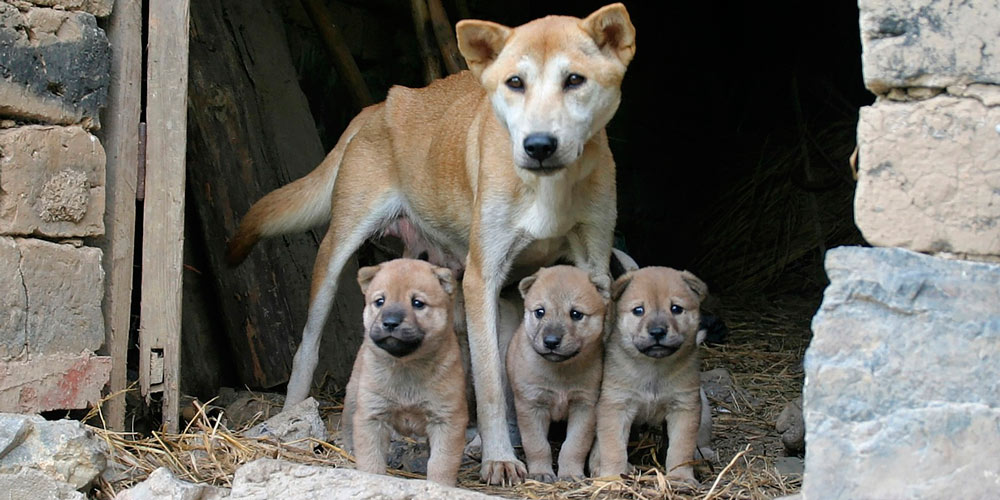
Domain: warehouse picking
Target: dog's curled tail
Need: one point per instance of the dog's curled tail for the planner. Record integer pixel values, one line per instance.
(297, 206)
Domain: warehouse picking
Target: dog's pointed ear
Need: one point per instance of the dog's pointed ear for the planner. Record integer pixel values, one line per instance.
(620, 284)
(480, 42)
(603, 284)
(696, 285)
(365, 276)
(447, 278)
(611, 27)
(526, 283)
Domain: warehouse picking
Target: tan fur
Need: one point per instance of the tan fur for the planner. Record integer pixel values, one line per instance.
(451, 158)
(419, 393)
(560, 389)
(640, 389)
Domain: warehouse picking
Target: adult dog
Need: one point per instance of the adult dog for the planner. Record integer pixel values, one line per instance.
(505, 167)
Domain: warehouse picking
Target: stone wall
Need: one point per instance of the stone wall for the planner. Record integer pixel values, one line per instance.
(902, 398)
(53, 82)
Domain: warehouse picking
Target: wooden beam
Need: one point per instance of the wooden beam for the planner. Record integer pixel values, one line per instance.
(163, 214)
(421, 16)
(346, 66)
(453, 60)
(120, 137)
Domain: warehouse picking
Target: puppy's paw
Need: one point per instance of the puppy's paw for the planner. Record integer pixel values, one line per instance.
(571, 478)
(504, 473)
(544, 477)
(686, 477)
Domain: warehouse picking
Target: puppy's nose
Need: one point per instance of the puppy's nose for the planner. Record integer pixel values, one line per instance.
(551, 341)
(540, 145)
(391, 320)
(658, 332)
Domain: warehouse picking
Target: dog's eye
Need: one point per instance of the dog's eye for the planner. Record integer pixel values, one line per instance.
(378, 302)
(573, 80)
(417, 304)
(576, 315)
(515, 83)
(676, 309)
(540, 312)
(639, 311)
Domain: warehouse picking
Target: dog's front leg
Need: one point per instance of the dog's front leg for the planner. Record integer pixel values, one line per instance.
(579, 438)
(486, 268)
(682, 430)
(371, 441)
(613, 425)
(534, 425)
(590, 248)
(446, 439)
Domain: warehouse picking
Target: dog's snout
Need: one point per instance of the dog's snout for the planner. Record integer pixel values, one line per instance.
(540, 145)
(552, 341)
(392, 319)
(657, 332)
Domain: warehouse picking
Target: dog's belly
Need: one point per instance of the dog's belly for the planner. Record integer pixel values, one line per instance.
(409, 421)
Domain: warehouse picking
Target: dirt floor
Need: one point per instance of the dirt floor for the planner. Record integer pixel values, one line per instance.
(762, 353)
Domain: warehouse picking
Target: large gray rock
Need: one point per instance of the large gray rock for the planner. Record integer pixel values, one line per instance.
(295, 425)
(162, 485)
(63, 450)
(50, 298)
(929, 179)
(55, 66)
(55, 180)
(902, 392)
(99, 8)
(30, 483)
(264, 479)
(929, 43)
(52, 382)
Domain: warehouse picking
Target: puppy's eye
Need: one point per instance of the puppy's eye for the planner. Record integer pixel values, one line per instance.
(379, 301)
(540, 312)
(573, 80)
(639, 311)
(417, 304)
(576, 315)
(676, 309)
(515, 83)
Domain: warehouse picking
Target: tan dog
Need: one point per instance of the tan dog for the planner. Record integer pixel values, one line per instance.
(651, 368)
(408, 374)
(554, 365)
(505, 168)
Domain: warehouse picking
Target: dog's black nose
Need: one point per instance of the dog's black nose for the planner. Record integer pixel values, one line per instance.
(551, 341)
(540, 145)
(391, 320)
(658, 332)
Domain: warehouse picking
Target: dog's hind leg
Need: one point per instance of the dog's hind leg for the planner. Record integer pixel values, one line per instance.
(358, 216)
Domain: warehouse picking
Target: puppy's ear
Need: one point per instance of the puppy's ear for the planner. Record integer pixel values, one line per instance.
(696, 285)
(526, 283)
(620, 284)
(603, 284)
(480, 42)
(612, 30)
(447, 279)
(365, 276)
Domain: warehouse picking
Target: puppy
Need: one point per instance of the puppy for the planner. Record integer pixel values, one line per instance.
(554, 364)
(408, 374)
(651, 368)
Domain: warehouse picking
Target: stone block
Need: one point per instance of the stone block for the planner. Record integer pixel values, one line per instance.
(51, 182)
(99, 8)
(63, 450)
(902, 392)
(56, 66)
(929, 179)
(51, 298)
(163, 485)
(929, 43)
(30, 483)
(52, 382)
(295, 425)
(266, 478)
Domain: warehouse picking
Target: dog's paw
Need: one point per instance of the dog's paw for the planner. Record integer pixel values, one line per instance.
(572, 478)
(504, 473)
(686, 477)
(544, 477)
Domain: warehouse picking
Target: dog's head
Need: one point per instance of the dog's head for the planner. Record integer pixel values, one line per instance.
(563, 311)
(554, 82)
(408, 304)
(657, 311)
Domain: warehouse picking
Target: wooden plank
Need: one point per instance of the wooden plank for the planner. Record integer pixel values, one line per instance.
(163, 214)
(121, 143)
